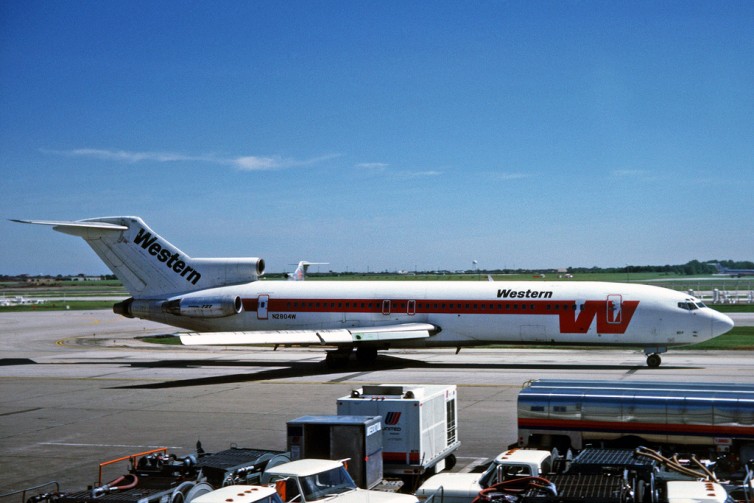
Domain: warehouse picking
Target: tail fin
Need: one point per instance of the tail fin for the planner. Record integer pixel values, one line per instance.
(150, 266)
(719, 267)
(300, 273)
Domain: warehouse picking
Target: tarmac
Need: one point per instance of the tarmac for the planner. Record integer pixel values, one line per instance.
(78, 388)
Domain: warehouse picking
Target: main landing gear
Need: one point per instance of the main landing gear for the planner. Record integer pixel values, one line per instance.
(653, 356)
(340, 357)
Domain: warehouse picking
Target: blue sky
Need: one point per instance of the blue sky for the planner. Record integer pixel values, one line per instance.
(382, 135)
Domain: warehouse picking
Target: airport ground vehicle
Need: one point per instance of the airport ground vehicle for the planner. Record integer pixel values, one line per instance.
(595, 475)
(356, 438)
(156, 476)
(464, 487)
(323, 480)
(240, 494)
(698, 417)
(419, 425)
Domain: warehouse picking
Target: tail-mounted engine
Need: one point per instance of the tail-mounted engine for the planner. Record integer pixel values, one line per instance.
(204, 307)
(192, 307)
(228, 271)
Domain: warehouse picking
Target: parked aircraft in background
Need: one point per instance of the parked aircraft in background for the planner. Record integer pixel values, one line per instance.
(303, 267)
(19, 300)
(725, 271)
(224, 302)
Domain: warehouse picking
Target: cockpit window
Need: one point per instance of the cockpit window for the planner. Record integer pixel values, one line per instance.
(688, 306)
(701, 305)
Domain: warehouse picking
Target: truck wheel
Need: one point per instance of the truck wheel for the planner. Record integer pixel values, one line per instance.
(450, 461)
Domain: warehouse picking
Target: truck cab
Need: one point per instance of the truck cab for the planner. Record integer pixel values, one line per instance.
(309, 480)
(464, 487)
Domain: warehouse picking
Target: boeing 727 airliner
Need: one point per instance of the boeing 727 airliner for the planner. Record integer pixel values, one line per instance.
(222, 301)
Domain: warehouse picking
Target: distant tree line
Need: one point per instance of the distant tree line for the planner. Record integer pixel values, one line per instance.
(692, 268)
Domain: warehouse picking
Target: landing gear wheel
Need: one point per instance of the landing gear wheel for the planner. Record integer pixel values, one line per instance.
(337, 359)
(654, 360)
(366, 355)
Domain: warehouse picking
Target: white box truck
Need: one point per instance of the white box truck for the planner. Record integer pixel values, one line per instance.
(419, 424)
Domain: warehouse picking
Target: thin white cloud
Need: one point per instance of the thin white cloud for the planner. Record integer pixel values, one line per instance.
(639, 175)
(630, 172)
(510, 176)
(242, 163)
(382, 169)
(126, 156)
(373, 166)
(416, 174)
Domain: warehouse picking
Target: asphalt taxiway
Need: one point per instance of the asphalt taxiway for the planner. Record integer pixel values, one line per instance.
(77, 388)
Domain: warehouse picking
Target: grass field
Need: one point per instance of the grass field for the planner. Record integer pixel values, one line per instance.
(59, 305)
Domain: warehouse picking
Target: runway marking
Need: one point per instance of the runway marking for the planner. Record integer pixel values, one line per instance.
(130, 446)
(630, 372)
(349, 377)
(20, 411)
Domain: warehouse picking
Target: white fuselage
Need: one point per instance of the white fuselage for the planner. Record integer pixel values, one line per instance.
(468, 313)
(219, 296)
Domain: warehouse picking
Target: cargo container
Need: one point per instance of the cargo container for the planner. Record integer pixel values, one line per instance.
(419, 430)
(356, 438)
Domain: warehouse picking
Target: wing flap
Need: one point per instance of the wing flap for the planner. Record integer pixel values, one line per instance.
(310, 337)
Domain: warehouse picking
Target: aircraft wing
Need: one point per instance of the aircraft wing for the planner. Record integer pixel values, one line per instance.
(336, 337)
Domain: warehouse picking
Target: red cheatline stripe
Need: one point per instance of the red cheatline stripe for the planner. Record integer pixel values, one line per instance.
(717, 430)
(461, 306)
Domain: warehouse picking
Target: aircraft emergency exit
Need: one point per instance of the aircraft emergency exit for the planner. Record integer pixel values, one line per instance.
(223, 301)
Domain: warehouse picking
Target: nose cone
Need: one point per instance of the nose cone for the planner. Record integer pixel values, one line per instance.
(721, 323)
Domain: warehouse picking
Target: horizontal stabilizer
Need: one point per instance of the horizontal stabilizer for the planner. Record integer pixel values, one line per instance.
(61, 225)
(307, 337)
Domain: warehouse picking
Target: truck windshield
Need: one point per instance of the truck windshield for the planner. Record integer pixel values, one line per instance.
(322, 485)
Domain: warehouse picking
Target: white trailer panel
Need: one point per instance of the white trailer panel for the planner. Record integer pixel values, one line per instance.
(419, 423)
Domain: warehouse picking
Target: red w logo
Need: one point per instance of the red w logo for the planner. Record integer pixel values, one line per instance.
(392, 418)
(613, 316)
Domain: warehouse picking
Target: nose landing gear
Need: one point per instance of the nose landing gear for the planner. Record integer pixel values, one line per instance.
(653, 360)
(653, 356)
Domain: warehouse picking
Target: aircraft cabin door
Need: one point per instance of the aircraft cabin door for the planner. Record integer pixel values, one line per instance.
(614, 309)
(262, 305)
